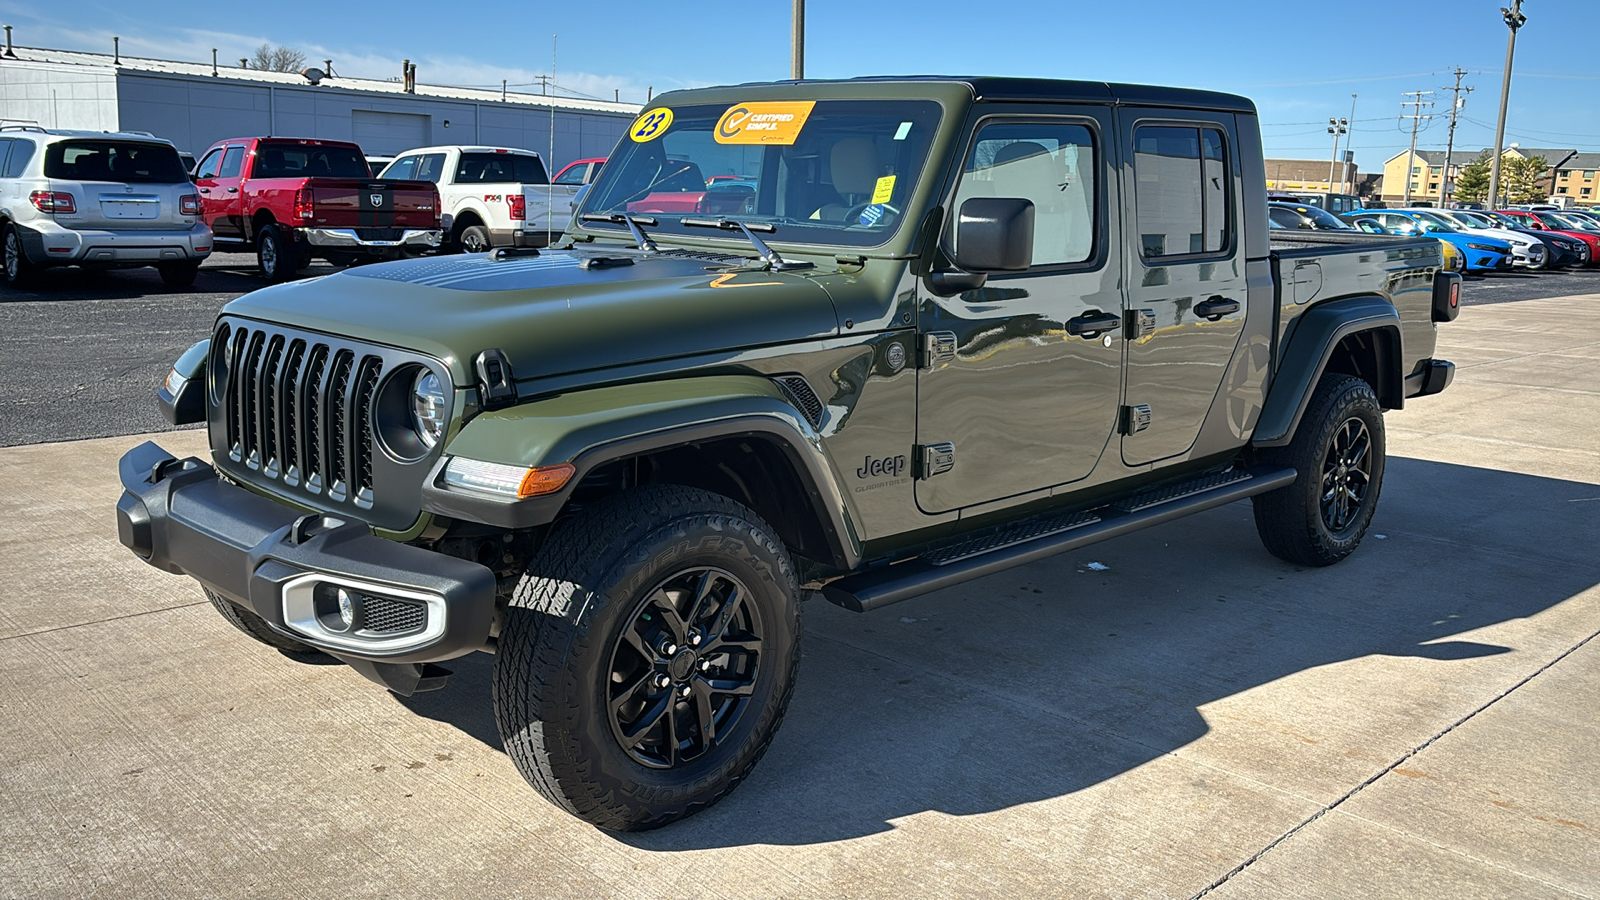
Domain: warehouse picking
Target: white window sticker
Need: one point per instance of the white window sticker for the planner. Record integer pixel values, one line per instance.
(905, 129)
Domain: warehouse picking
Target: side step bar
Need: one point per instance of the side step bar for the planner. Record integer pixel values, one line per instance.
(877, 588)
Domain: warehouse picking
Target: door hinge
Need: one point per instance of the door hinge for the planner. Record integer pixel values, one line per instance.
(938, 347)
(1141, 323)
(935, 459)
(1135, 418)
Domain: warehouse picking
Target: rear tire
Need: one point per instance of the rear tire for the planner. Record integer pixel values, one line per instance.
(273, 254)
(1338, 451)
(178, 275)
(20, 272)
(474, 239)
(648, 656)
(256, 627)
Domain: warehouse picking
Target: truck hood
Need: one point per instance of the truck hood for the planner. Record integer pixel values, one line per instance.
(557, 312)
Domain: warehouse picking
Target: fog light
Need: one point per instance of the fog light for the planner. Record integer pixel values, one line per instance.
(347, 608)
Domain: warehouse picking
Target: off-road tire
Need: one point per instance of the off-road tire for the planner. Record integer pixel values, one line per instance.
(474, 239)
(274, 254)
(178, 274)
(553, 661)
(20, 273)
(253, 625)
(1291, 519)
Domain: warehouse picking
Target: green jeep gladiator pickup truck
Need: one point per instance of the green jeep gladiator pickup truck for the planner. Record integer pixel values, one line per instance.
(952, 325)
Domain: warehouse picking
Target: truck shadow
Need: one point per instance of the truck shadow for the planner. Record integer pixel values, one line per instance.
(1056, 677)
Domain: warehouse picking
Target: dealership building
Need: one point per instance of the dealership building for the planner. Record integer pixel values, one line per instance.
(196, 104)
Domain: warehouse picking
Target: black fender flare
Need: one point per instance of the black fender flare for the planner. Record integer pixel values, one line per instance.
(1309, 347)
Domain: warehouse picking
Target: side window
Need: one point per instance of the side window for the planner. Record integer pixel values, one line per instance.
(573, 174)
(430, 167)
(231, 163)
(1182, 190)
(5, 152)
(208, 166)
(1052, 164)
(402, 169)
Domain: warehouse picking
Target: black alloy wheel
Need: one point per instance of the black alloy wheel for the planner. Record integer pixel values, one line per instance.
(1346, 473)
(684, 668)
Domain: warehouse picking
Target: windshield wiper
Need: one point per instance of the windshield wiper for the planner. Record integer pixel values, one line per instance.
(768, 255)
(640, 239)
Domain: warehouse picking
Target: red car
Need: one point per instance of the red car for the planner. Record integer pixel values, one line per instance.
(1555, 224)
(579, 171)
(293, 199)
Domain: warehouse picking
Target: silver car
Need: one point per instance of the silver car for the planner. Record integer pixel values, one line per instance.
(97, 199)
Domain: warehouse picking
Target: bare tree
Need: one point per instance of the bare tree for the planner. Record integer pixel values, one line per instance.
(277, 59)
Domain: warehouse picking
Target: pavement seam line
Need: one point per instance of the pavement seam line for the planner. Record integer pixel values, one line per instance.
(1465, 855)
(148, 612)
(1387, 769)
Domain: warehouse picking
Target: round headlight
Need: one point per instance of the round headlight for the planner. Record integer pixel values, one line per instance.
(428, 407)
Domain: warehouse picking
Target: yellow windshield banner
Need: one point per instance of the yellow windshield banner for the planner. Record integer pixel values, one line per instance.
(764, 123)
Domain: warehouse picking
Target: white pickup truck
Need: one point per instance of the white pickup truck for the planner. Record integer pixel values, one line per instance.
(491, 196)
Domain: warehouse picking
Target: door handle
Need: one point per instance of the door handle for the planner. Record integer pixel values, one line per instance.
(1215, 308)
(236, 190)
(205, 190)
(1092, 325)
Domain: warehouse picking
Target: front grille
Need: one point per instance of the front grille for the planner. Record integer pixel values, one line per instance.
(382, 615)
(298, 410)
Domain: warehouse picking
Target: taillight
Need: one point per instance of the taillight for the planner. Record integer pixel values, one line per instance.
(189, 204)
(53, 202)
(1455, 294)
(303, 207)
(519, 206)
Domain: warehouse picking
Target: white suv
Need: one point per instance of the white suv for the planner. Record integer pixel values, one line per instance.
(97, 199)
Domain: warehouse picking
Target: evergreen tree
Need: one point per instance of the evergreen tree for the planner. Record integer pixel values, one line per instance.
(1525, 180)
(1472, 185)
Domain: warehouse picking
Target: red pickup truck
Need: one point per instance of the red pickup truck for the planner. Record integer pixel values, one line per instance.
(294, 199)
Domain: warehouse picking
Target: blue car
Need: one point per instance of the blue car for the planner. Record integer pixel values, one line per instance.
(1482, 254)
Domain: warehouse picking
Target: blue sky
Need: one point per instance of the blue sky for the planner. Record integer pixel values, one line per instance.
(1298, 61)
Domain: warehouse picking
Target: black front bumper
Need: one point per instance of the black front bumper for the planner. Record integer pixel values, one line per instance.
(179, 516)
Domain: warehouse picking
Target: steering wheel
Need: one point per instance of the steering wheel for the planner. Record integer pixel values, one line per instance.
(853, 215)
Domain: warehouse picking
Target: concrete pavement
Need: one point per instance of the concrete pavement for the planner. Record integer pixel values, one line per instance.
(1193, 718)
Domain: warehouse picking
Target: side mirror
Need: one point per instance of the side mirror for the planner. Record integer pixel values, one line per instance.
(577, 198)
(995, 234)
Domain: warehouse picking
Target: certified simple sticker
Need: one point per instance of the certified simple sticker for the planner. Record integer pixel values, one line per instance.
(764, 123)
(651, 125)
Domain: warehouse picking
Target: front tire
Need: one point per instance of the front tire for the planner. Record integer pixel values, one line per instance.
(1339, 452)
(648, 656)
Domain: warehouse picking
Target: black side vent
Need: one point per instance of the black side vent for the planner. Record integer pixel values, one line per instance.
(802, 396)
(707, 257)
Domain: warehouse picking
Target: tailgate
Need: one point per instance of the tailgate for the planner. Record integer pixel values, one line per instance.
(549, 206)
(352, 203)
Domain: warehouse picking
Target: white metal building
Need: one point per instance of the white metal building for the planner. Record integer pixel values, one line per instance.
(192, 107)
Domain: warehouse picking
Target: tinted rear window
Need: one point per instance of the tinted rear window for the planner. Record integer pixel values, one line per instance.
(500, 168)
(295, 161)
(129, 161)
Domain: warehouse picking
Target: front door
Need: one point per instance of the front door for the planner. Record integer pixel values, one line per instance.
(1024, 402)
(224, 203)
(1187, 294)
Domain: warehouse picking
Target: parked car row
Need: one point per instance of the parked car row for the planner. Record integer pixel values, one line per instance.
(1475, 240)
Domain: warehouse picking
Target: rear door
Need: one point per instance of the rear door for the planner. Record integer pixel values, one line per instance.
(1006, 391)
(118, 184)
(1187, 293)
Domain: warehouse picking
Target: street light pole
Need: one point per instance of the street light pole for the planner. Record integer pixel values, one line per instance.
(1336, 127)
(1348, 143)
(1514, 20)
(797, 64)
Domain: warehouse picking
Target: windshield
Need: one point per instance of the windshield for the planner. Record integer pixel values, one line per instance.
(1325, 221)
(1567, 224)
(1469, 220)
(825, 172)
(1431, 224)
(134, 162)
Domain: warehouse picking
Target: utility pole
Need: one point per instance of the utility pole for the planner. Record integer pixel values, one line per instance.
(1348, 159)
(797, 58)
(1336, 127)
(1514, 19)
(1447, 185)
(1416, 117)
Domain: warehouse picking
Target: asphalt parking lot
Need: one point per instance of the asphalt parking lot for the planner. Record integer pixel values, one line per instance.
(103, 342)
(1186, 717)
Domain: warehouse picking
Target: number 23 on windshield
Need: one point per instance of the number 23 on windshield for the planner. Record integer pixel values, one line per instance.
(651, 125)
